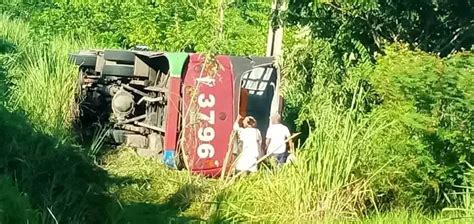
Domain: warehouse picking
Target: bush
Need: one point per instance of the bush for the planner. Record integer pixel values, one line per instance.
(431, 103)
(161, 25)
(426, 106)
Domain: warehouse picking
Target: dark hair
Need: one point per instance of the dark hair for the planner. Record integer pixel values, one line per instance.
(250, 121)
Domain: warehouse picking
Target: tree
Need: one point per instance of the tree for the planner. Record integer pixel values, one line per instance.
(439, 26)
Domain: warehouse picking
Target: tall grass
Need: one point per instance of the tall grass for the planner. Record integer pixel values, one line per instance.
(42, 80)
(321, 184)
(100, 136)
(63, 185)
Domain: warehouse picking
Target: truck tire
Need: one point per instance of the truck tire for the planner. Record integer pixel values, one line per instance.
(118, 70)
(121, 56)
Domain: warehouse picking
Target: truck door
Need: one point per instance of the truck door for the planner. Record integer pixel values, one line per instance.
(260, 78)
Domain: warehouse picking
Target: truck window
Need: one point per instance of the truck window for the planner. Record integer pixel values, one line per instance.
(260, 83)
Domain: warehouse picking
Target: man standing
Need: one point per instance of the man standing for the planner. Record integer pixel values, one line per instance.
(276, 137)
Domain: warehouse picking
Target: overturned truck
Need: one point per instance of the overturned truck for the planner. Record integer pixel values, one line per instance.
(179, 107)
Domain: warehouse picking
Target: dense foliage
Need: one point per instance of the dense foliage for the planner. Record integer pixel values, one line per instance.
(439, 26)
(425, 100)
(164, 25)
(433, 106)
(382, 91)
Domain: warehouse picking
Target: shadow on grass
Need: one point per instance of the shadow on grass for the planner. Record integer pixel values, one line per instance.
(63, 184)
(56, 176)
(167, 212)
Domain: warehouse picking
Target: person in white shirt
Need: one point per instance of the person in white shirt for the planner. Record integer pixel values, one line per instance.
(251, 140)
(276, 137)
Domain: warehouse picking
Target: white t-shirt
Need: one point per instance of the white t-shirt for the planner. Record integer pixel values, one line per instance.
(277, 133)
(251, 139)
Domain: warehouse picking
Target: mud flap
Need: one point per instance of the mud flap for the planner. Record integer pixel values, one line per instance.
(168, 158)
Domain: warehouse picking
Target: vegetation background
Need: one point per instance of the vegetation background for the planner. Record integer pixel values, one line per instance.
(381, 90)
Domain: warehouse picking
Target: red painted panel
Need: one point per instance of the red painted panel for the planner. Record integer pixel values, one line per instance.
(171, 133)
(208, 113)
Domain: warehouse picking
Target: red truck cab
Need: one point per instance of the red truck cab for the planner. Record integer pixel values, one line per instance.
(214, 91)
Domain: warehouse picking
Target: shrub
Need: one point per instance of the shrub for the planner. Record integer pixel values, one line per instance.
(161, 25)
(431, 103)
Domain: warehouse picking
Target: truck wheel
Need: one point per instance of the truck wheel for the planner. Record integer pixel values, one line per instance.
(117, 70)
(124, 57)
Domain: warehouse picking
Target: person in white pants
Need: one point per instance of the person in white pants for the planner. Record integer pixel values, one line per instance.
(251, 140)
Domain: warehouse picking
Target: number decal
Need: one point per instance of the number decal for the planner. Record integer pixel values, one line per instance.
(206, 134)
(205, 151)
(211, 118)
(204, 103)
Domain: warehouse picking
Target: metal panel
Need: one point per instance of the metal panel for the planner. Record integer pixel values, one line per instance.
(118, 70)
(149, 63)
(172, 121)
(208, 114)
(84, 59)
(121, 56)
(177, 63)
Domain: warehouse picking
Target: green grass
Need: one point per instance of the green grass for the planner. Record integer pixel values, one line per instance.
(416, 218)
(320, 185)
(14, 206)
(35, 119)
(149, 192)
(42, 81)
